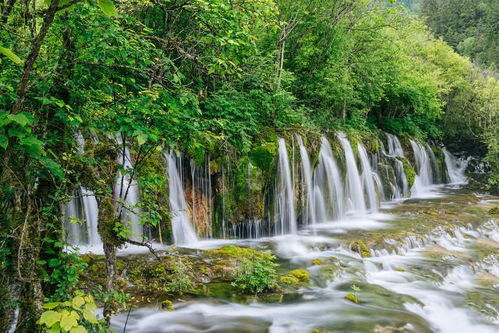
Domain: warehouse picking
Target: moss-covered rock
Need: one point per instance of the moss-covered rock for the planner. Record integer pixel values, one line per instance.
(361, 248)
(494, 211)
(352, 297)
(296, 277)
(409, 171)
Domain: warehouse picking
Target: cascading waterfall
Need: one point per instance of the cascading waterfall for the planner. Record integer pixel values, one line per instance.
(309, 212)
(83, 206)
(327, 194)
(353, 181)
(76, 232)
(424, 172)
(368, 178)
(91, 210)
(285, 214)
(394, 146)
(127, 190)
(396, 152)
(455, 168)
(183, 232)
(328, 188)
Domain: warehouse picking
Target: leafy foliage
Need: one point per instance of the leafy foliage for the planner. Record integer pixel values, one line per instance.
(73, 316)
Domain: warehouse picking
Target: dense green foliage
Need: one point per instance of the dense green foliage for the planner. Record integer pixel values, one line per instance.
(470, 27)
(205, 77)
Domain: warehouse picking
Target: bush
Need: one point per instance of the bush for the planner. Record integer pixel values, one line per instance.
(256, 275)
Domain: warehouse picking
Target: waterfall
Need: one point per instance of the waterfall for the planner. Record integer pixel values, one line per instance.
(424, 172)
(394, 146)
(183, 232)
(396, 153)
(353, 181)
(309, 212)
(368, 181)
(285, 215)
(127, 190)
(91, 210)
(328, 190)
(76, 232)
(455, 168)
(83, 206)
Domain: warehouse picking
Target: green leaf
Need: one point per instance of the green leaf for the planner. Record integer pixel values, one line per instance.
(33, 145)
(4, 142)
(108, 7)
(50, 306)
(55, 329)
(89, 316)
(78, 301)
(141, 139)
(68, 320)
(19, 118)
(11, 55)
(49, 318)
(78, 329)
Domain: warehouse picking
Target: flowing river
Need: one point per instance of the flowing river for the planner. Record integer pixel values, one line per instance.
(434, 269)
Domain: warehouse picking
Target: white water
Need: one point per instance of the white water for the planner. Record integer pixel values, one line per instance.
(183, 232)
(285, 214)
(83, 206)
(437, 304)
(328, 188)
(127, 190)
(368, 181)
(353, 182)
(455, 168)
(396, 151)
(394, 146)
(91, 216)
(309, 214)
(424, 170)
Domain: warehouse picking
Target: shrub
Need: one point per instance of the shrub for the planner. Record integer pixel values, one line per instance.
(256, 275)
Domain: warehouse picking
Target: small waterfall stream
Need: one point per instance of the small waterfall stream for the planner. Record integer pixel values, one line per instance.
(353, 181)
(424, 170)
(285, 214)
(368, 179)
(309, 213)
(328, 188)
(183, 231)
(127, 190)
(455, 168)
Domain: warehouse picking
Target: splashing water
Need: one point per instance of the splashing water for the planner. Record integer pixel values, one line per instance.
(353, 181)
(183, 232)
(285, 214)
(455, 168)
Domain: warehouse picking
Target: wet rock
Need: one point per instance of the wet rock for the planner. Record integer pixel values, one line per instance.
(167, 305)
(361, 248)
(296, 277)
(494, 211)
(352, 297)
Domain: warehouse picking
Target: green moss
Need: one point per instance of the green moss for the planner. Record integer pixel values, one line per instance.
(296, 277)
(318, 262)
(167, 305)
(361, 248)
(494, 211)
(409, 171)
(240, 253)
(352, 297)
